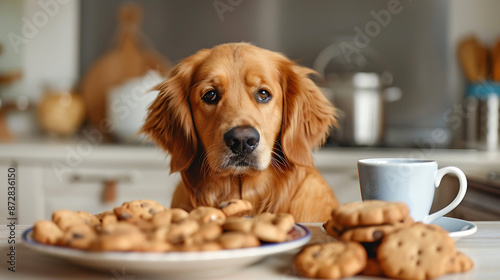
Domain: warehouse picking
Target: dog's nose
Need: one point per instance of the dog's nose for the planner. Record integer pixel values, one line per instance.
(242, 140)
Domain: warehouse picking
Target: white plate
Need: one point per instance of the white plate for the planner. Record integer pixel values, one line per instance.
(185, 264)
(456, 227)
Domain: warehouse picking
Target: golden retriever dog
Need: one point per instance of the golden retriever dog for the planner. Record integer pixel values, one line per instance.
(239, 122)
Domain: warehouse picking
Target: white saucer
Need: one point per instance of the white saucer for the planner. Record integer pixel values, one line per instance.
(456, 227)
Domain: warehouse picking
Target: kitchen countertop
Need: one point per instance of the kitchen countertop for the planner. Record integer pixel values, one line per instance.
(337, 164)
(84, 150)
(483, 247)
(471, 161)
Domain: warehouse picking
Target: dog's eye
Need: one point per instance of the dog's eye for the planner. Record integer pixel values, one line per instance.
(210, 97)
(263, 96)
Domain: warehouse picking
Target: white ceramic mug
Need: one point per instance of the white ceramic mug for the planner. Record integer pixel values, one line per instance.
(411, 181)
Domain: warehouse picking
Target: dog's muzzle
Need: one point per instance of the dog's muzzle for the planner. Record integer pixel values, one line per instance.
(242, 140)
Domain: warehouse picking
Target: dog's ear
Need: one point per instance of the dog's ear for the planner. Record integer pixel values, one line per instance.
(307, 115)
(169, 121)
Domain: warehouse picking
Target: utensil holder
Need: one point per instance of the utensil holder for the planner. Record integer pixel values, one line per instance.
(482, 118)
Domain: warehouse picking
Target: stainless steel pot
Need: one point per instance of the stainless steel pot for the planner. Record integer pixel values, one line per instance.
(360, 99)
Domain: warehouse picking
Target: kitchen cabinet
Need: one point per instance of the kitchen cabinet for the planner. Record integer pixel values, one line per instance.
(97, 189)
(482, 200)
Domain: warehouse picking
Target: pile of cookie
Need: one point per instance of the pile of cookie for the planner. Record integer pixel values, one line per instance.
(379, 238)
(148, 226)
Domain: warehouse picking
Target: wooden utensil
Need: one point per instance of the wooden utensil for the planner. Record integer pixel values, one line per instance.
(128, 59)
(483, 63)
(495, 62)
(467, 52)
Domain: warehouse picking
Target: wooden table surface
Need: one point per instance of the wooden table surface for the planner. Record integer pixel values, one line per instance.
(483, 247)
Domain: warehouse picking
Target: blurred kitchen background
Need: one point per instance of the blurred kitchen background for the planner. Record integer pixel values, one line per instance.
(408, 76)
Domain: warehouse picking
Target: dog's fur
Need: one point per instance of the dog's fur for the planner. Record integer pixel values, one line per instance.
(279, 175)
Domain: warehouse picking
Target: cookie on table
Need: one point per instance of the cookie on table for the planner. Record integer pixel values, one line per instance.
(159, 234)
(155, 246)
(142, 208)
(89, 219)
(206, 214)
(268, 227)
(268, 232)
(121, 236)
(283, 221)
(372, 233)
(237, 240)
(47, 232)
(271, 227)
(178, 215)
(66, 218)
(207, 246)
(120, 228)
(206, 233)
(145, 225)
(118, 242)
(236, 207)
(369, 212)
(460, 263)
(78, 236)
(163, 218)
(169, 216)
(177, 233)
(109, 219)
(238, 224)
(100, 216)
(332, 260)
(332, 228)
(372, 268)
(421, 251)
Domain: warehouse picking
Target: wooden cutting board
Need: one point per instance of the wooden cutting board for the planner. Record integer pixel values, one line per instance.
(127, 59)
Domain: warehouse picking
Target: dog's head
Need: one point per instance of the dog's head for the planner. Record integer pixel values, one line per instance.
(240, 109)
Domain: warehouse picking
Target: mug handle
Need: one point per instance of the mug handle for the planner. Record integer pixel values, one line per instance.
(460, 196)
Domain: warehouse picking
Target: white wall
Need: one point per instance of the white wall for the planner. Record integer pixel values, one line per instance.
(52, 54)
